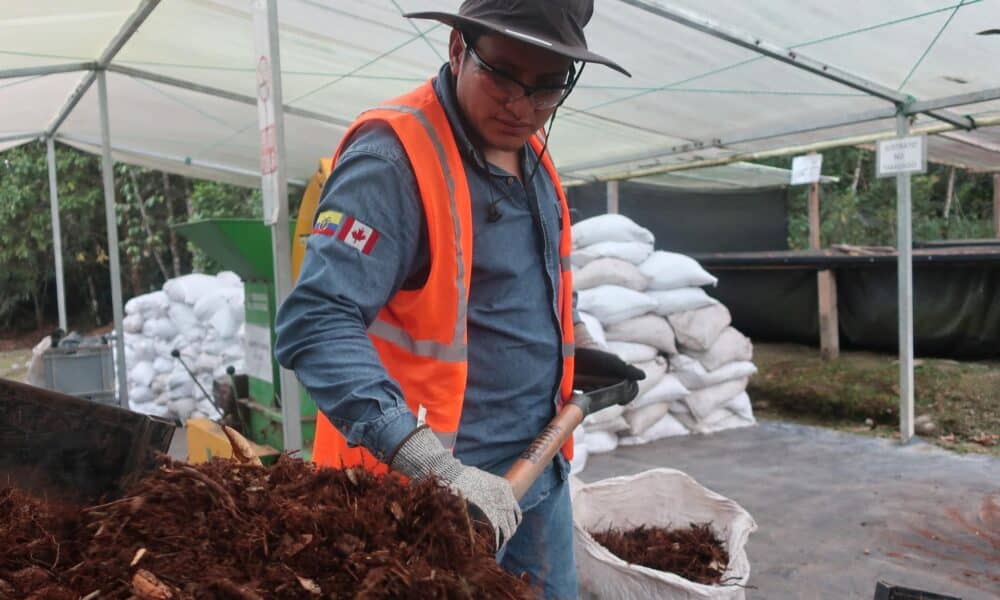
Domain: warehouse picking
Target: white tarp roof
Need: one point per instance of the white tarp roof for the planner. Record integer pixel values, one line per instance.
(341, 56)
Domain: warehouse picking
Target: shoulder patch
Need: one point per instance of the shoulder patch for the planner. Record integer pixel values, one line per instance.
(357, 234)
(327, 223)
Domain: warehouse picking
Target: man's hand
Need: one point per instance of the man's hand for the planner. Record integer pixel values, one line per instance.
(598, 363)
(421, 454)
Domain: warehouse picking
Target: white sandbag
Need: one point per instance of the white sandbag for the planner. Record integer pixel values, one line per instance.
(652, 330)
(195, 334)
(160, 329)
(140, 395)
(225, 321)
(733, 421)
(731, 346)
(610, 426)
(667, 426)
(190, 288)
(594, 329)
(703, 402)
(698, 329)
(159, 384)
(36, 369)
(695, 376)
(153, 302)
(656, 498)
(600, 442)
(207, 362)
(162, 399)
(132, 323)
(182, 316)
(642, 418)
(210, 303)
(609, 228)
(229, 279)
(604, 415)
(579, 462)
(182, 407)
(214, 345)
(633, 353)
(669, 271)
(680, 300)
(633, 252)
(142, 374)
(655, 370)
(231, 352)
(609, 271)
(613, 303)
(668, 389)
(740, 405)
(142, 347)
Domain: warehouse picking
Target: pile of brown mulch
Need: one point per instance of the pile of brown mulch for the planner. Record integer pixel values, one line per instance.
(223, 530)
(695, 554)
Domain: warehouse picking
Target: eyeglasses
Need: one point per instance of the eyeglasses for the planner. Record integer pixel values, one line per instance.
(507, 88)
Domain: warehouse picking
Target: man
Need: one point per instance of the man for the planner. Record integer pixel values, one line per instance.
(432, 321)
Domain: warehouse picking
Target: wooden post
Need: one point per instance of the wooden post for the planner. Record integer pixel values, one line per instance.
(826, 287)
(996, 204)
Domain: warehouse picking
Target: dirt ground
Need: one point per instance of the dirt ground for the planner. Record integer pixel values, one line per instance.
(859, 393)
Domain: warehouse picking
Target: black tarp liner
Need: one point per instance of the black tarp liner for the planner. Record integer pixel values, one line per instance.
(956, 306)
(693, 221)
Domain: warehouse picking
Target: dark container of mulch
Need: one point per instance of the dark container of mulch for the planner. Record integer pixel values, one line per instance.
(223, 530)
(696, 554)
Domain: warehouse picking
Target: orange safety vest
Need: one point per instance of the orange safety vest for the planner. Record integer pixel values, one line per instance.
(420, 335)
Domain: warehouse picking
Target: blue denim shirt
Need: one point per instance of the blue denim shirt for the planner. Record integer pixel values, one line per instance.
(513, 326)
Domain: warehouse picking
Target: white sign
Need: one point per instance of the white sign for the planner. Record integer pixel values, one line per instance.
(257, 352)
(901, 155)
(266, 114)
(807, 168)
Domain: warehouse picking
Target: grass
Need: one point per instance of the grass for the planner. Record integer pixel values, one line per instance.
(12, 364)
(859, 392)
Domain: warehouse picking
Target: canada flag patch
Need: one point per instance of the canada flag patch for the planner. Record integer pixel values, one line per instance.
(355, 233)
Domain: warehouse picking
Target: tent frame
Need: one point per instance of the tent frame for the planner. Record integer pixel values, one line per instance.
(902, 108)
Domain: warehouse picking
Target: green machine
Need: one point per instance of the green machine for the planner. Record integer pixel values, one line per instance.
(244, 247)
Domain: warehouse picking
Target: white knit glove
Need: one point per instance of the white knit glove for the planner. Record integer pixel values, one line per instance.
(422, 454)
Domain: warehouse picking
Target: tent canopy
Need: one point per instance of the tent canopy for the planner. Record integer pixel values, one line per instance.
(182, 87)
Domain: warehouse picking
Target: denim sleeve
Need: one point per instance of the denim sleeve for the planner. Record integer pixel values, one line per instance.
(322, 325)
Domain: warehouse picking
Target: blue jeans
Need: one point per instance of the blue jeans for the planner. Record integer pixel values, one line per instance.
(542, 546)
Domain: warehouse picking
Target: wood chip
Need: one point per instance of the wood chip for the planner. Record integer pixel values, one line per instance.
(138, 556)
(310, 585)
(146, 586)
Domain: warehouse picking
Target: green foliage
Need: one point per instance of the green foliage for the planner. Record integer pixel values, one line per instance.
(861, 209)
(147, 203)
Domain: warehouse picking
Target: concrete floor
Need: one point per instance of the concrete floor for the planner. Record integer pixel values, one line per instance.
(838, 512)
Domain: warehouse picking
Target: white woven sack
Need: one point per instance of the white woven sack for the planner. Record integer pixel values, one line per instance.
(142, 374)
(604, 415)
(669, 271)
(740, 405)
(229, 279)
(190, 288)
(655, 498)
(594, 329)
(731, 346)
(655, 370)
(667, 426)
(610, 426)
(642, 418)
(652, 330)
(599, 442)
(609, 271)
(210, 303)
(668, 389)
(160, 329)
(703, 402)
(695, 376)
(698, 329)
(633, 252)
(680, 300)
(156, 302)
(579, 462)
(183, 317)
(132, 323)
(609, 228)
(633, 353)
(613, 303)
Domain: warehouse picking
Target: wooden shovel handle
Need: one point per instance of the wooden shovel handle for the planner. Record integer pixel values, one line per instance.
(532, 462)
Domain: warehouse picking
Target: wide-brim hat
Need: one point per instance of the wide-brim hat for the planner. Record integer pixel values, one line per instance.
(553, 25)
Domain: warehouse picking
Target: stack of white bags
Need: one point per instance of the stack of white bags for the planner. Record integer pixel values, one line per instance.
(649, 308)
(202, 317)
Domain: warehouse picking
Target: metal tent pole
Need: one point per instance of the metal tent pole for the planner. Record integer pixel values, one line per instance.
(612, 197)
(56, 233)
(904, 240)
(274, 187)
(108, 179)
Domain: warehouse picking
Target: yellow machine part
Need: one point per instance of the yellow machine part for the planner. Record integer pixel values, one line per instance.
(206, 440)
(307, 212)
